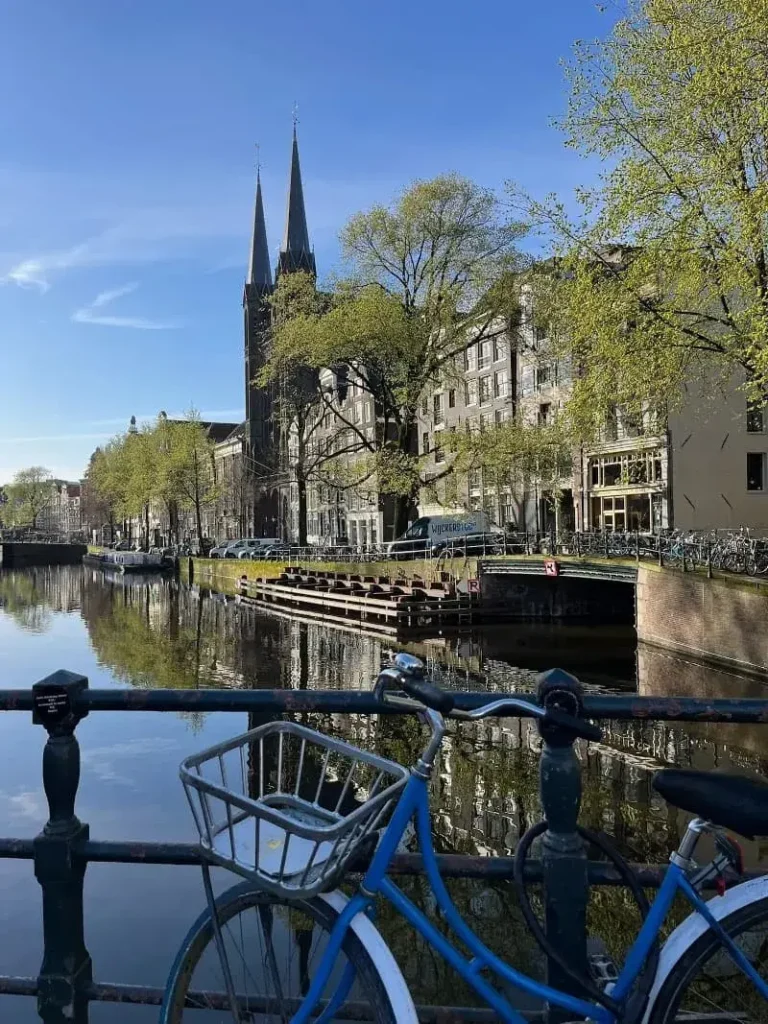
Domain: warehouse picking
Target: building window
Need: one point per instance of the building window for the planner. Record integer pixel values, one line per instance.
(425, 444)
(452, 398)
(498, 416)
(755, 471)
(439, 455)
(499, 349)
(544, 376)
(472, 357)
(483, 355)
(627, 468)
(437, 407)
(470, 392)
(500, 384)
(475, 480)
(425, 406)
(545, 414)
(755, 422)
(485, 390)
(539, 333)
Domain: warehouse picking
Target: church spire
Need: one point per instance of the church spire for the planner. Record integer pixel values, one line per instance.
(295, 253)
(259, 273)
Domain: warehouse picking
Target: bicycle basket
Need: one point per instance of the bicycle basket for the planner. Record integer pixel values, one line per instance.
(288, 807)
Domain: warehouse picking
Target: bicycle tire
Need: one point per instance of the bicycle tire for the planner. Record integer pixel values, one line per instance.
(676, 994)
(369, 988)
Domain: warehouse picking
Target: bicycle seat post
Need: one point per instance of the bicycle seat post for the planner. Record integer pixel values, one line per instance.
(564, 858)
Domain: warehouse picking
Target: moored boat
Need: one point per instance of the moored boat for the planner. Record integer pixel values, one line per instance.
(128, 561)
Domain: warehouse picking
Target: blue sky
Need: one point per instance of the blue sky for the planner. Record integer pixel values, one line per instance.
(127, 175)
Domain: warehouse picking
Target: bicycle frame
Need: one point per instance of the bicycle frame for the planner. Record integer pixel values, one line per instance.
(414, 803)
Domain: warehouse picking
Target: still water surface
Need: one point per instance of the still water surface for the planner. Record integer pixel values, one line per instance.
(146, 633)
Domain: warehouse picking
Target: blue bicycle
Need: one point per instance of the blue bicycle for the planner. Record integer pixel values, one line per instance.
(288, 808)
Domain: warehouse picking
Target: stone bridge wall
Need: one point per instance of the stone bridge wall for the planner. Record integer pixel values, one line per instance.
(722, 621)
(17, 555)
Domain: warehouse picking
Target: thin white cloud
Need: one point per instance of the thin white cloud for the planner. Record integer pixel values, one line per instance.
(90, 314)
(27, 805)
(104, 298)
(34, 273)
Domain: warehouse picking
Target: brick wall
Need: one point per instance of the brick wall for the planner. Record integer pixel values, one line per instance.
(723, 621)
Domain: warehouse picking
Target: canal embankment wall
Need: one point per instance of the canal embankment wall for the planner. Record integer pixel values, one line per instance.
(17, 555)
(223, 574)
(722, 621)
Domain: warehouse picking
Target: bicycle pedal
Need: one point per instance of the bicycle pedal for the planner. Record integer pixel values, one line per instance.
(602, 970)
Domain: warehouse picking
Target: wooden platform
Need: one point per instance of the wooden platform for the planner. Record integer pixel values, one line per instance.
(390, 605)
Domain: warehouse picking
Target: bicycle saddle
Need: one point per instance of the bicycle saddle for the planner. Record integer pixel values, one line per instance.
(732, 801)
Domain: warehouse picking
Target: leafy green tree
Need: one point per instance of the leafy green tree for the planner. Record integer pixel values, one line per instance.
(142, 465)
(185, 470)
(27, 496)
(665, 270)
(310, 446)
(108, 479)
(515, 456)
(429, 275)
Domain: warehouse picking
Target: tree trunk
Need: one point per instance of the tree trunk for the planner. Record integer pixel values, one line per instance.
(198, 510)
(302, 485)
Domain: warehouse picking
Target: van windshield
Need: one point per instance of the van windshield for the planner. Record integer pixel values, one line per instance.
(418, 531)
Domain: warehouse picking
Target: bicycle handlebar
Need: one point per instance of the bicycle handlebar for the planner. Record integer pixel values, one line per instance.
(407, 674)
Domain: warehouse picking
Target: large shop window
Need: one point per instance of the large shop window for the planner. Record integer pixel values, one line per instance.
(625, 469)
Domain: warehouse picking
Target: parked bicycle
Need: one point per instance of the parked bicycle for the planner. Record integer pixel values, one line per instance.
(288, 808)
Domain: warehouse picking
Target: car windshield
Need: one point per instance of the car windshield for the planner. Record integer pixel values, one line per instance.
(418, 531)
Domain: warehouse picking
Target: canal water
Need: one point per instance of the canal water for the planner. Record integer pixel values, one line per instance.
(154, 633)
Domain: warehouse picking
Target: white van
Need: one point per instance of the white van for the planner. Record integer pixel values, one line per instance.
(430, 533)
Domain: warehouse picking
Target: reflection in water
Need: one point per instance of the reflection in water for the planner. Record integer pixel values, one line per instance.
(155, 633)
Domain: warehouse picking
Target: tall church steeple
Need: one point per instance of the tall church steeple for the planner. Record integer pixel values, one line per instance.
(257, 316)
(259, 272)
(295, 253)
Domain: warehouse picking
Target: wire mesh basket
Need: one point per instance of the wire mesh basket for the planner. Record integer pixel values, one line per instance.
(288, 807)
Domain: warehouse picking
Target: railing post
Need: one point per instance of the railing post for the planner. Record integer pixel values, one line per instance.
(709, 559)
(65, 972)
(564, 858)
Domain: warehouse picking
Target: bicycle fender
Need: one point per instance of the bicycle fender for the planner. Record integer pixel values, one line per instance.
(694, 926)
(386, 965)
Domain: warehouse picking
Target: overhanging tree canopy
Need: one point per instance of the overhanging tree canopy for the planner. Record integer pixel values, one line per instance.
(665, 276)
(428, 276)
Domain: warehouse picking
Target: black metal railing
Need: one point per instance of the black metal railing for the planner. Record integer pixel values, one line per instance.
(718, 550)
(65, 987)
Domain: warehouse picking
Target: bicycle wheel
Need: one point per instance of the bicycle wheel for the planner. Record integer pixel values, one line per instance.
(706, 983)
(273, 946)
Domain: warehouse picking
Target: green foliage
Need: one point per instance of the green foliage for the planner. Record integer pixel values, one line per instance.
(428, 275)
(29, 494)
(170, 462)
(515, 454)
(665, 273)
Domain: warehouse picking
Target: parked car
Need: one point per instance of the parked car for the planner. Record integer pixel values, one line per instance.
(232, 548)
(257, 549)
(278, 551)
